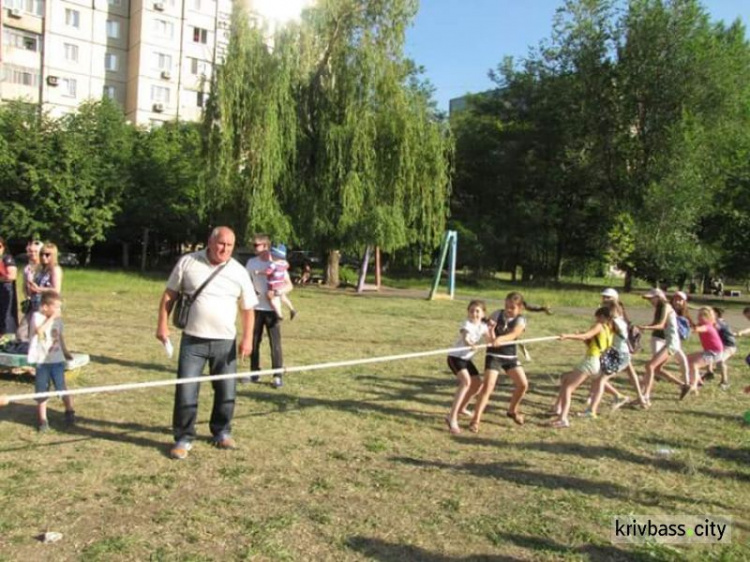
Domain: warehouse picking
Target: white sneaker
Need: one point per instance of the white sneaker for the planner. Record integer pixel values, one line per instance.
(277, 382)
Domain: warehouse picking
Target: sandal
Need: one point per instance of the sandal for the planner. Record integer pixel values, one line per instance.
(559, 424)
(516, 417)
(474, 427)
(454, 429)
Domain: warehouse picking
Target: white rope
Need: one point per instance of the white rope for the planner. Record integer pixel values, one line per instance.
(266, 372)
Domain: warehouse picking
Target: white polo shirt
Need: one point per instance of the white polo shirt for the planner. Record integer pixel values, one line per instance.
(214, 313)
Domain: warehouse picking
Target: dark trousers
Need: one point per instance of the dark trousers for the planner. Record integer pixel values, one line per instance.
(268, 320)
(221, 356)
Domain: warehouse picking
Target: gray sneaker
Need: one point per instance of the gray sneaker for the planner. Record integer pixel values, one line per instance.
(180, 450)
(43, 427)
(277, 382)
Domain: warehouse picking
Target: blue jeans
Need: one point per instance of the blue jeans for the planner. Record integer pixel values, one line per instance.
(46, 372)
(221, 356)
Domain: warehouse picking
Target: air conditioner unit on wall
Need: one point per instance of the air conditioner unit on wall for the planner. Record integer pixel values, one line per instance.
(15, 13)
(159, 6)
(53, 80)
(158, 107)
(166, 74)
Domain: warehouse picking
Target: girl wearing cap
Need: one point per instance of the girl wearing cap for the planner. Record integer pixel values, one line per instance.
(665, 343)
(620, 323)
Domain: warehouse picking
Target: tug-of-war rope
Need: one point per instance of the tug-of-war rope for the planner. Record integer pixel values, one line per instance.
(6, 399)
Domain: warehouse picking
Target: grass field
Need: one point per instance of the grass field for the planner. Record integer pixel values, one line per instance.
(356, 463)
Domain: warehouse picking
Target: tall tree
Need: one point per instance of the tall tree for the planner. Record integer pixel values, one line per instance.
(678, 79)
(373, 159)
(163, 202)
(250, 133)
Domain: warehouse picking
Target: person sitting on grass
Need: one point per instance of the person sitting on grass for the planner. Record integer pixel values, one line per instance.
(505, 326)
(467, 376)
(48, 352)
(597, 338)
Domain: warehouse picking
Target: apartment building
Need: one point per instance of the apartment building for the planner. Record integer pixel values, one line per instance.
(154, 57)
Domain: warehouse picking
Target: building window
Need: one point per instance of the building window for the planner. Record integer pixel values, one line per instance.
(198, 67)
(197, 5)
(69, 86)
(160, 94)
(33, 7)
(72, 18)
(109, 92)
(113, 29)
(201, 99)
(162, 61)
(164, 28)
(200, 35)
(114, 3)
(20, 75)
(71, 52)
(21, 40)
(110, 61)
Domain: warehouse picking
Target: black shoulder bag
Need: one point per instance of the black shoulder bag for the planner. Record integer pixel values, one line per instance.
(182, 304)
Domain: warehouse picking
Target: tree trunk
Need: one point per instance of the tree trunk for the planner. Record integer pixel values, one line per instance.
(144, 250)
(628, 280)
(125, 255)
(377, 267)
(332, 268)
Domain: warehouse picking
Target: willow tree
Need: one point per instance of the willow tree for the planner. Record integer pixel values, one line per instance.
(372, 159)
(250, 133)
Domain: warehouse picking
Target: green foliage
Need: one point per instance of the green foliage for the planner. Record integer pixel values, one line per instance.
(63, 179)
(250, 134)
(328, 139)
(615, 140)
(165, 168)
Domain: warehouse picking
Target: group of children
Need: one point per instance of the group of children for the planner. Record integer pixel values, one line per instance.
(610, 343)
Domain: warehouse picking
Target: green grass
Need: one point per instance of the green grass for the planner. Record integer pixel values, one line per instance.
(356, 463)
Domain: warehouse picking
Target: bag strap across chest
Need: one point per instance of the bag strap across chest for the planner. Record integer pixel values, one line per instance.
(206, 282)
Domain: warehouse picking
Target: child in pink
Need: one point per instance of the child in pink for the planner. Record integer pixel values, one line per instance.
(711, 344)
(276, 274)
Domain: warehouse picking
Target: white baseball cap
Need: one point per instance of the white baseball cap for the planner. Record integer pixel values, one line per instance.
(681, 295)
(610, 294)
(655, 293)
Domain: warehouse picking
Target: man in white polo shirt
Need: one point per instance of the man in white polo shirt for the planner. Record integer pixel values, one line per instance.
(210, 335)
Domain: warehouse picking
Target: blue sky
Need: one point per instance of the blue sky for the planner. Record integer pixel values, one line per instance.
(459, 41)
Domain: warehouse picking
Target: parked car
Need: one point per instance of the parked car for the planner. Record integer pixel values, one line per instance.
(66, 259)
(298, 258)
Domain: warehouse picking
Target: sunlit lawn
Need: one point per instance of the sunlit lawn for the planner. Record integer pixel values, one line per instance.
(356, 463)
